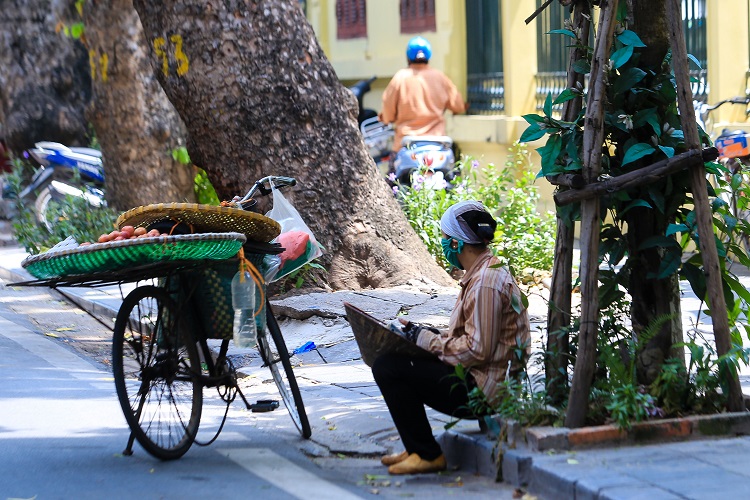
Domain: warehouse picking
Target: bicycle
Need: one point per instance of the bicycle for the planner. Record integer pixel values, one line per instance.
(161, 360)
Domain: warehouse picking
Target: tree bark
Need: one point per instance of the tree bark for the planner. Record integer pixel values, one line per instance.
(136, 125)
(258, 97)
(44, 85)
(651, 298)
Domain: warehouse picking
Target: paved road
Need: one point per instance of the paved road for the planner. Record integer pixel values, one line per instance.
(62, 431)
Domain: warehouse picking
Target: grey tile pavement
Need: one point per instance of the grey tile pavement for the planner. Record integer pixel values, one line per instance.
(349, 417)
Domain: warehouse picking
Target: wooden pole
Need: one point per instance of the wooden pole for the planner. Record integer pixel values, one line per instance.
(640, 177)
(711, 267)
(593, 138)
(558, 315)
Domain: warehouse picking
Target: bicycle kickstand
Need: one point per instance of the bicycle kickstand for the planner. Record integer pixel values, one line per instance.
(129, 448)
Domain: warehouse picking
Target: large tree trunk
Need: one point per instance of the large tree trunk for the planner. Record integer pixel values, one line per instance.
(44, 82)
(136, 125)
(651, 298)
(259, 98)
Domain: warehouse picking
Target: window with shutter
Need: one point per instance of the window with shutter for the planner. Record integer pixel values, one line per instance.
(351, 19)
(417, 16)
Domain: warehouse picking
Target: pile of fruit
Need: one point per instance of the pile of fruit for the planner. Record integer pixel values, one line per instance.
(126, 233)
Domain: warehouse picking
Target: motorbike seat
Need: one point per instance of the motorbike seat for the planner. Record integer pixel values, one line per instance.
(411, 140)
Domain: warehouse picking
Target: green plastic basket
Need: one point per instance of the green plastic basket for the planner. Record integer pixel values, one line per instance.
(121, 255)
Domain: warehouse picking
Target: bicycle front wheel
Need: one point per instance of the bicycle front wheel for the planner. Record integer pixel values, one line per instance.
(283, 375)
(156, 370)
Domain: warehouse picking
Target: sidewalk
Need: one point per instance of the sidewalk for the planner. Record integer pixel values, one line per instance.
(349, 417)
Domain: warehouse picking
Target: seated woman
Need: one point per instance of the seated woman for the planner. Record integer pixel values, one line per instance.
(487, 325)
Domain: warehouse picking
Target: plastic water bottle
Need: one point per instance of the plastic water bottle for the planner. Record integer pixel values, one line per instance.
(243, 302)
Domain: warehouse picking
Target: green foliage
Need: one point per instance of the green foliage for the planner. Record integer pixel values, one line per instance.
(311, 274)
(204, 190)
(71, 217)
(526, 237)
(642, 126)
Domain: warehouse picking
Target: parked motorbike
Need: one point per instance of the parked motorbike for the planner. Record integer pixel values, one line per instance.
(377, 135)
(64, 171)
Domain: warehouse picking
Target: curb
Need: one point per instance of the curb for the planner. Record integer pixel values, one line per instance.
(674, 429)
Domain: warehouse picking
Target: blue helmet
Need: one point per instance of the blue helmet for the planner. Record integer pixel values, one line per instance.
(418, 50)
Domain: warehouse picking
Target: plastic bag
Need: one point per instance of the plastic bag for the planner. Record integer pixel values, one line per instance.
(300, 245)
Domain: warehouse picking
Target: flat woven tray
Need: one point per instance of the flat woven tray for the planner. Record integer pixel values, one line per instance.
(374, 338)
(119, 255)
(204, 219)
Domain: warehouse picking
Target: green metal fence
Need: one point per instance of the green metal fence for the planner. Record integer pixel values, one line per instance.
(484, 57)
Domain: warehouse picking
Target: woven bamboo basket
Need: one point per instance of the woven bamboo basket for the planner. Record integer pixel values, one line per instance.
(204, 219)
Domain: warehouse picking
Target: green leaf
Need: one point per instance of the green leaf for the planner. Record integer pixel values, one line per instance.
(627, 79)
(658, 242)
(533, 118)
(76, 30)
(676, 228)
(532, 133)
(582, 66)
(562, 32)
(670, 263)
(667, 150)
(566, 95)
(695, 61)
(548, 105)
(636, 152)
(549, 153)
(628, 37)
(621, 56)
(633, 204)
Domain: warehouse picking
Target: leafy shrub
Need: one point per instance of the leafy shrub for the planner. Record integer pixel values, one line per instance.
(525, 237)
(70, 217)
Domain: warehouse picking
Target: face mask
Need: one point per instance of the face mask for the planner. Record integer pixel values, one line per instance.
(451, 254)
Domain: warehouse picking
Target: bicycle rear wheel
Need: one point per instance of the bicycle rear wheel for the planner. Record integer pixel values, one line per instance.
(283, 375)
(156, 371)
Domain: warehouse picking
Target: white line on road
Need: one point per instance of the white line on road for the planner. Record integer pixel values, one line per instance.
(284, 474)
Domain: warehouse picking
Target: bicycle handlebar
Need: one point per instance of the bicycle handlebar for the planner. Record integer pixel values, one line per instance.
(279, 182)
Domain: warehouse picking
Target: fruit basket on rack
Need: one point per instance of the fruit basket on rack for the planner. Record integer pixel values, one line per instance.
(124, 254)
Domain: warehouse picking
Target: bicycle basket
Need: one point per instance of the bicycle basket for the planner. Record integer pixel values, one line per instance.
(119, 255)
(210, 290)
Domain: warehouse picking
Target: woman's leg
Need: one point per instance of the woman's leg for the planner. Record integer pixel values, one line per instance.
(407, 384)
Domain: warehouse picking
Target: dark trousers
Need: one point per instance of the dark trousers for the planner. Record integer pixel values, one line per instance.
(407, 384)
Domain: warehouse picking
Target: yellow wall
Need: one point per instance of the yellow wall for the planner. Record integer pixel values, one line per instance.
(487, 138)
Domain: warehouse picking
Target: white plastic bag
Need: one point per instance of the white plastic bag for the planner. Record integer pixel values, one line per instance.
(300, 245)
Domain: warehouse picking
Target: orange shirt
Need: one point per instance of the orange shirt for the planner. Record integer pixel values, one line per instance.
(416, 99)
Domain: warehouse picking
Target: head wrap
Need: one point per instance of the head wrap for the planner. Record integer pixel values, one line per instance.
(455, 226)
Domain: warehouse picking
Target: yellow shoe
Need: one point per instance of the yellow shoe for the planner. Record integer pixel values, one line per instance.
(414, 464)
(394, 458)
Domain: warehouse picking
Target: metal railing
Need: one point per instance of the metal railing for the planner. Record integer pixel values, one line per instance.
(486, 94)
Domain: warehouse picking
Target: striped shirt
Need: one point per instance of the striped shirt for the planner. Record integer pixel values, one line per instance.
(484, 331)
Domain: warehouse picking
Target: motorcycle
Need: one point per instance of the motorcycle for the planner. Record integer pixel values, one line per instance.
(64, 171)
(377, 135)
(427, 160)
(430, 157)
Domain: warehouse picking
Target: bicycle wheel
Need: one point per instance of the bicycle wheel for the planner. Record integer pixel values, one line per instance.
(156, 373)
(284, 375)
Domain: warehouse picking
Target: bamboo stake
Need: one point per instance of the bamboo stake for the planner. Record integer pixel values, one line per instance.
(593, 138)
(558, 316)
(711, 267)
(640, 177)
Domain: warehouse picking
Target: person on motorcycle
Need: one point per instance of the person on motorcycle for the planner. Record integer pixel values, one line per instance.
(417, 97)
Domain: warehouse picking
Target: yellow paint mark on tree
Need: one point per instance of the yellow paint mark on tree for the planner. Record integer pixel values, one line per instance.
(182, 60)
(98, 65)
(160, 48)
(159, 43)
